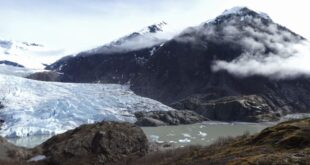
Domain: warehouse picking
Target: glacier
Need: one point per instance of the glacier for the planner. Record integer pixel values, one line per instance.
(45, 108)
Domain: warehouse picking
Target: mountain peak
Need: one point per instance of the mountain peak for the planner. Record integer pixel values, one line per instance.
(159, 27)
(241, 11)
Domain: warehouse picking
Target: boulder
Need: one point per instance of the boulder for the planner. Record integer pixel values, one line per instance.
(100, 143)
(11, 153)
(160, 118)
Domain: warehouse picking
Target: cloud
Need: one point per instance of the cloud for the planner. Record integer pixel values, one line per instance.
(276, 66)
(268, 49)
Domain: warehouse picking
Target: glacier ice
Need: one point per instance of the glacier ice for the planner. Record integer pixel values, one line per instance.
(40, 108)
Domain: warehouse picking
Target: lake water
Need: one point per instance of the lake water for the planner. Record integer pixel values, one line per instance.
(203, 134)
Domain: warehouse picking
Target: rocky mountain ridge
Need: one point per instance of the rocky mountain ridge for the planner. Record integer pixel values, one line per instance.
(203, 62)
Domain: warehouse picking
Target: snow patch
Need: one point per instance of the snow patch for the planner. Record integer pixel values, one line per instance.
(30, 55)
(240, 9)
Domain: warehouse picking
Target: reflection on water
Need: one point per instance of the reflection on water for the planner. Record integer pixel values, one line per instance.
(29, 141)
(202, 134)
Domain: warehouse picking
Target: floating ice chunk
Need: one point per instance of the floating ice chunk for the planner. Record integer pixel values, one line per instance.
(37, 158)
(154, 138)
(186, 140)
(186, 135)
(203, 134)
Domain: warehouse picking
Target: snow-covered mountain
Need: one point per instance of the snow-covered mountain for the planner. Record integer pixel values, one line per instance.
(36, 108)
(212, 61)
(134, 50)
(29, 55)
(146, 37)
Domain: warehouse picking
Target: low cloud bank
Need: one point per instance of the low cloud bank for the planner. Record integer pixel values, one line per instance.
(268, 49)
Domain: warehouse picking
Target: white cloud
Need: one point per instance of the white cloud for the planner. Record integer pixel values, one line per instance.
(268, 51)
(275, 66)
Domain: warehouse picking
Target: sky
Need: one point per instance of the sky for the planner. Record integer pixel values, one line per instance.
(76, 25)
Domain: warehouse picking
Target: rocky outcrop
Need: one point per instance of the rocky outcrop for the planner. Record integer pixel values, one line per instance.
(251, 108)
(45, 76)
(99, 143)
(161, 118)
(10, 153)
(287, 135)
(10, 63)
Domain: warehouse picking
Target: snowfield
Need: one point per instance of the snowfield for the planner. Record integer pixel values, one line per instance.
(30, 55)
(17, 71)
(39, 108)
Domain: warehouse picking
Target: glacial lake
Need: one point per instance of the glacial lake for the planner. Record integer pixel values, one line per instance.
(196, 134)
(181, 135)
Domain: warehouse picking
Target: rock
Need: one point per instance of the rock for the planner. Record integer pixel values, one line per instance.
(45, 76)
(251, 108)
(10, 63)
(149, 122)
(99, 143)
(287, 135)
(160, 118)
(1, 120)
(10, 152)
(156, 147)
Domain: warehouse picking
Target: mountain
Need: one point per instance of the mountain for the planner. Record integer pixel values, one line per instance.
(29, 55)
(239, 66)
(146, 37)
(31, 107)
(116, 62)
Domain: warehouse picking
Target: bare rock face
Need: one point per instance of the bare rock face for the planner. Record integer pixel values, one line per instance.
(160, 118)
(251, 108)
(46, 76)
(100, 143)
(1, 120)
(1, 106)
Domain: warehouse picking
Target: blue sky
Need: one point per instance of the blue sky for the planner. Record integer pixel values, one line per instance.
(81, 24)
